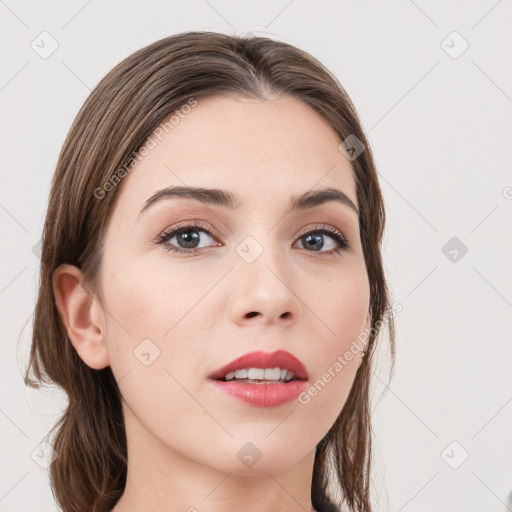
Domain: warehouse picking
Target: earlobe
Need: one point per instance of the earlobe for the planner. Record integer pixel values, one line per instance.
(75, 305)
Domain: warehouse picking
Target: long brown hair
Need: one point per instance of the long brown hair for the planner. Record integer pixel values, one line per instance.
(89, 472)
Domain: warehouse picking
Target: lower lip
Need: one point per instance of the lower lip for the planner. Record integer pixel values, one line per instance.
(262, 395)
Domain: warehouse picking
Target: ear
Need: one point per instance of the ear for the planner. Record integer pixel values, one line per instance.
(82, 316)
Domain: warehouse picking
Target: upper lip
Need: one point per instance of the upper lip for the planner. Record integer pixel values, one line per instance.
(258, 359)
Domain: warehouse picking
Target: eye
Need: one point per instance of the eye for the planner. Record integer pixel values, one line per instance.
(315, 240)
(188, 238)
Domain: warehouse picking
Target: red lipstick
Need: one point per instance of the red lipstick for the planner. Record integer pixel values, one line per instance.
(261, 393)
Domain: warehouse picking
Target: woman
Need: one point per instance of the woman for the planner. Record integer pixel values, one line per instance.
(211, 273)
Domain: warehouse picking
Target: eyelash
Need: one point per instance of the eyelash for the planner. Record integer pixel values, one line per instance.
(182, 228)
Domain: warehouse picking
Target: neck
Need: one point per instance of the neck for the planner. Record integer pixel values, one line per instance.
(161, 478)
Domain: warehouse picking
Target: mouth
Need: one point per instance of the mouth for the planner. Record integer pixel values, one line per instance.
(279, 367)
(260, 376)
(262, 379)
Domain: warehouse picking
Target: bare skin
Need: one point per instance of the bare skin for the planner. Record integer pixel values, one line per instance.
(183, 434)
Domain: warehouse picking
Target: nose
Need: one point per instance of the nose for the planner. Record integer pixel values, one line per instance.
(262, 292)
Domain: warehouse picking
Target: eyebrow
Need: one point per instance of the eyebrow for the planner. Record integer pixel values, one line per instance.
(227, 199)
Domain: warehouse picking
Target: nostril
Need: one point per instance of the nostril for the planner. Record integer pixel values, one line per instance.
(251, 314)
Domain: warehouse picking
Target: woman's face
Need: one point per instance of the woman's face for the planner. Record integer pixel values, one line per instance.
(248, 278)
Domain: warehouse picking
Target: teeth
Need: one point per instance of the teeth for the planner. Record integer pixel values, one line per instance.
(270, 374)
(256, 373)
(261, 374)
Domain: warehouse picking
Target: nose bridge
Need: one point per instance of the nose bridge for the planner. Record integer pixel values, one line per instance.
(260, 253)
(259, 229)
(263, 278)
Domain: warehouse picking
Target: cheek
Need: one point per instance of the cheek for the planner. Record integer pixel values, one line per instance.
(341, 309)
(149, 300)
(152, 335)
(157, 319)
(350, 309)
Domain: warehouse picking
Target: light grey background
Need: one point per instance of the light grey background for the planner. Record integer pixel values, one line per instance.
(440, 125)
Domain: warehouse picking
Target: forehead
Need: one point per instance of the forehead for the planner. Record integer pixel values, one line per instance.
(259, 149)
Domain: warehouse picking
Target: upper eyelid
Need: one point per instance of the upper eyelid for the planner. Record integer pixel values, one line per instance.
(185, 226)
(323, 227)
(212, 232)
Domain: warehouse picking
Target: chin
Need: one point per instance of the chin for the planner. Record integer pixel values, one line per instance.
(253, 458)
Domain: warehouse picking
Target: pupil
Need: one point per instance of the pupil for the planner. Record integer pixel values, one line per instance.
(190, 241)
(316, 241)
